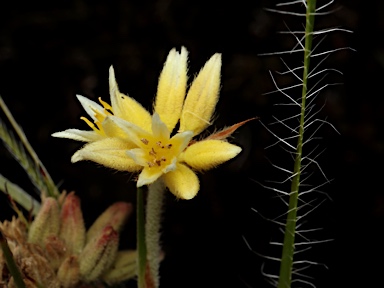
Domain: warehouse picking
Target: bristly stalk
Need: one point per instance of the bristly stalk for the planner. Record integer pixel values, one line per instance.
(39, 175)
(285, 276)
(140, 234)
(153, 219)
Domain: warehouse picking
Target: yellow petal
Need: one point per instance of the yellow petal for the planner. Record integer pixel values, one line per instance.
(172, 87)
(91, 107)
(79, 135)
(134, 133)
(207, 154)
(159, 128)
(148, 176)
(202, 97)
(110, 152)
(111, 129)
(182, 182)
(126, 107)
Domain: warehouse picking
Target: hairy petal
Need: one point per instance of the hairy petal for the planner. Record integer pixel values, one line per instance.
(90, 106)
(159, 128)
(78, 135)
(207, 154)
(182, 182)
(111, 129)
(126, 107)
(202, 97)
(109, 152)
(133, 133)
(172, 87)
(148, 176)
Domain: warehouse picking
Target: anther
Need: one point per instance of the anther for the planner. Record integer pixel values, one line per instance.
(169, 146)
(152, 152)
(145, 141)
(150, 164)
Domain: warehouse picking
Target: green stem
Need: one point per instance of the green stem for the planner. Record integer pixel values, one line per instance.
(141, 246)
(12, 267)
(285, 276)
(154, 210)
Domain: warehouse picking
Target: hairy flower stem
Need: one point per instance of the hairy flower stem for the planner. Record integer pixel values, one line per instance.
(285, 276)
(140, 234)
(152, 228)
(11, 265)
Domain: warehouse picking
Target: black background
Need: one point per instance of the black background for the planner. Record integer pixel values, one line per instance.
(51, 51)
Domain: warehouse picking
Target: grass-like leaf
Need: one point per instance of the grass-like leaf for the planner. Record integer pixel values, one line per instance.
(11, 264)
(19, 195)
(30, 162)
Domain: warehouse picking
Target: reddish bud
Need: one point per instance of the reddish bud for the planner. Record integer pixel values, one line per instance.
(114, 216)
(46, 222)
(98, 254)
(72, 230)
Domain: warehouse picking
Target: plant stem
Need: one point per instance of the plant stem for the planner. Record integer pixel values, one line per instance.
(140, 234)
(285, 276)
(154, 210)
(12, 267)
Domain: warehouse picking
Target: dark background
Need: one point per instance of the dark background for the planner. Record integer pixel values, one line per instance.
(51, 51)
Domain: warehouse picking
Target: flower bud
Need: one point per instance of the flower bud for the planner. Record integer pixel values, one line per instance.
(123, 268)
(69, 272)
(72, 230)
(98, 254)
(114, 216)
(46, 222)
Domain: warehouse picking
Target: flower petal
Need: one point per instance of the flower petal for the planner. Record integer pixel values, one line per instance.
(182, 182)
(79, 135)
(181, 140)
(110, 152)
(207, 154)
(159, 129)
(90, 106)
(148, 176)
(172, 87)
(202, 97)
(138, 155)
(111, 129)
(134, 133)
(126, 107)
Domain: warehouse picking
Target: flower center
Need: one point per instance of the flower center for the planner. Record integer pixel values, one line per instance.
(159, 153)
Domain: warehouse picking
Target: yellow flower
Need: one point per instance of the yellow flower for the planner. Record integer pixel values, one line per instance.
(126, 137)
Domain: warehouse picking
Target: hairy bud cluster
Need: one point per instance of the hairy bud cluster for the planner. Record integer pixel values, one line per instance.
(57, 251)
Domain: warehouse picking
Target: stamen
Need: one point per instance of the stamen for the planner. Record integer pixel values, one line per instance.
(107, 107)
(158, 162)
(169, 146)
(89, 123)
(93, 126)
(145, 141)
(150, 164)
(152, 152)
